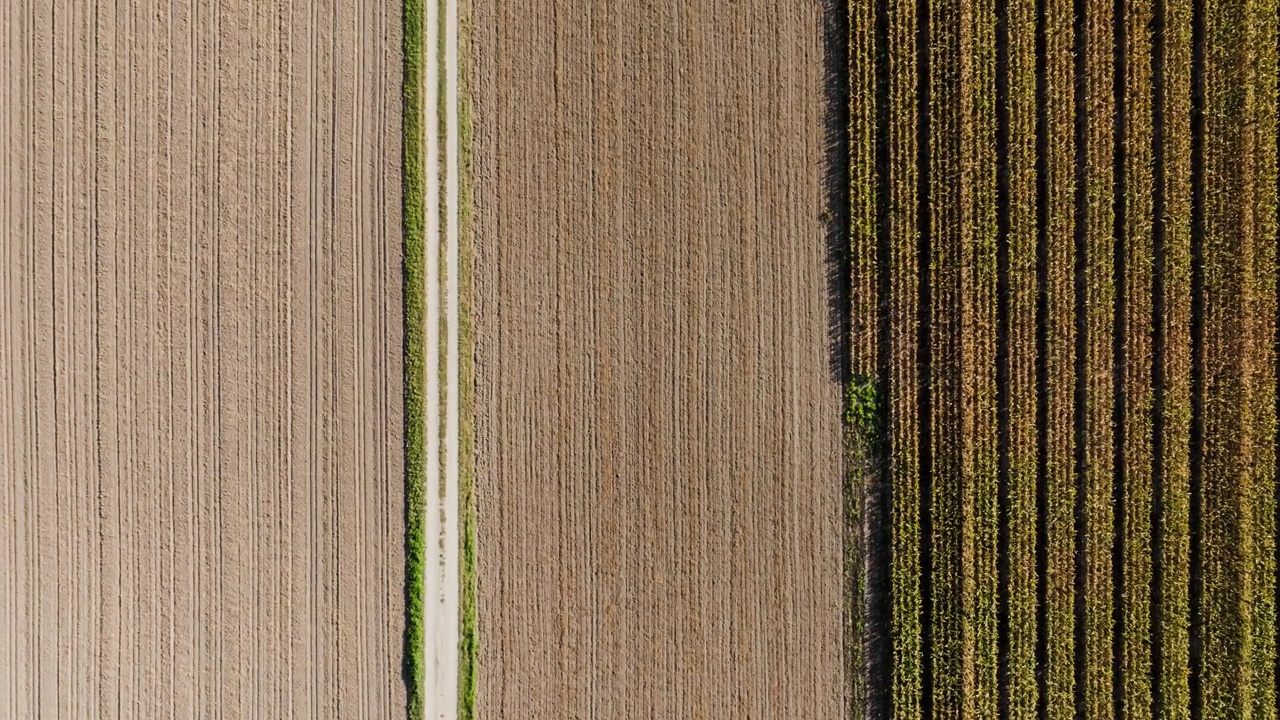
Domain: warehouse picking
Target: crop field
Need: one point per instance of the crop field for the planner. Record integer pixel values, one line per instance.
(201, 381)
(657, 412)
(777, 359)
(1061, 407)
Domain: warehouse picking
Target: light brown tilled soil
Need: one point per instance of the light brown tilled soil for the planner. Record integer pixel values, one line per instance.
(658, 449)
(201, 490)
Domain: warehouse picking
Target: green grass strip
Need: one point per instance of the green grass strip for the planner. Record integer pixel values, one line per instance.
(470, 640)
(414, 352)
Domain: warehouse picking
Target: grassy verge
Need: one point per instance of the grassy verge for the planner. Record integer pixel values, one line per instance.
(414, 278)
(414, 353)
(467, 670)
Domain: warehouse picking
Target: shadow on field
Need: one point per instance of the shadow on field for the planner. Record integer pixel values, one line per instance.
(872, 676)
(836, 177)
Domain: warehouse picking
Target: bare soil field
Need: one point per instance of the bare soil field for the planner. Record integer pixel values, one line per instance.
(658, 418)
(201, 484)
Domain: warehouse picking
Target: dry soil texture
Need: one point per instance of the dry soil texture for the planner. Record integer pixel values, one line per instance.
(658, 421)
(201, 493)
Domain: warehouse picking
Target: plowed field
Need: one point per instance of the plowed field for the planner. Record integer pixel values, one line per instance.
(658, 448)
(201, 484)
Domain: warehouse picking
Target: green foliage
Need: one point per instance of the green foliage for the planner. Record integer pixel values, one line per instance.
(470, 642)
(861, 412)
(414, 362)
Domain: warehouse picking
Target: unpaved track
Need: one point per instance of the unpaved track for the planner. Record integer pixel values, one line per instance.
(658, 477)
(443, 282)
(200, 375)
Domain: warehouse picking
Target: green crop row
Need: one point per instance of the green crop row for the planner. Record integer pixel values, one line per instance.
(1098, 348)
(980, 454)
(1059, 370)
(1173, 405)
(951, 672)
(1262, 395)
(864, 442)
(1135, 373)
(1020, 520)
(903, 456)
(1238, 484)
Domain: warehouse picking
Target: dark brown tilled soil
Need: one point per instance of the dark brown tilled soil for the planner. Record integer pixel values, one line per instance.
(659, 439)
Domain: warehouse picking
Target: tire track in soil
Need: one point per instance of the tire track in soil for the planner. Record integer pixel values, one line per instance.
(8, 369)
(154, 220)
(10, 605)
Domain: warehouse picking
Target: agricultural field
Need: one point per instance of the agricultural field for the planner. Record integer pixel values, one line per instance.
(201, 365)
(460, 359)
(658, 398)
(1061, 405)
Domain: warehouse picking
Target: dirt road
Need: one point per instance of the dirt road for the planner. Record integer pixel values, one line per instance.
(200, 379)
(443, 409)
(658, 425)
